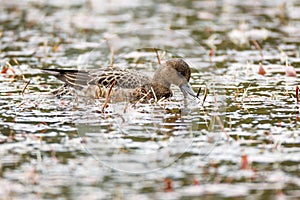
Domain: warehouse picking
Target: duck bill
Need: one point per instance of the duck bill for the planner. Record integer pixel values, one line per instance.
(186, 89)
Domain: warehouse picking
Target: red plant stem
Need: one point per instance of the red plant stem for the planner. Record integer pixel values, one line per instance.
(297, 93)
(206, 93)
(23, 91)
(108, 96)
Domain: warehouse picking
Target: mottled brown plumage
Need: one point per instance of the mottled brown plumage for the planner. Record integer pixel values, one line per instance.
(129, 84)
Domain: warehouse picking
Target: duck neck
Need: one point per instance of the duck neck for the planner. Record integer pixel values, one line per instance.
(160, 78)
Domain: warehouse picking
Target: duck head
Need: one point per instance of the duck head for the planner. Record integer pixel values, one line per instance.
(177, 72)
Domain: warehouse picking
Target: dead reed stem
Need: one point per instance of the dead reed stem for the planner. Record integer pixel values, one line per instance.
(108, 96)
(157, 55)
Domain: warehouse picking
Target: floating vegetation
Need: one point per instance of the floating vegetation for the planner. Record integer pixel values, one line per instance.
(238, 139)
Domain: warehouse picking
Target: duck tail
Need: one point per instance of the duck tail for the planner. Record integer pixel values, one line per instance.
(72, 78)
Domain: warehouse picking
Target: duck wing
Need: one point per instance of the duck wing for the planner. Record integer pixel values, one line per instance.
(79, 79)
(124, 78)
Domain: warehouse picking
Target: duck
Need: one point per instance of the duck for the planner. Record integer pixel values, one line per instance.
(127, 84)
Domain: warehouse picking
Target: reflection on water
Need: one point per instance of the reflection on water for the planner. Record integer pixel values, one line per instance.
(243, 142)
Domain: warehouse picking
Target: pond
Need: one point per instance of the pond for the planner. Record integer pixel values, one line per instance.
(240, 139)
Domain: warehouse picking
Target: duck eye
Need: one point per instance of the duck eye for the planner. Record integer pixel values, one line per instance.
(180, 74)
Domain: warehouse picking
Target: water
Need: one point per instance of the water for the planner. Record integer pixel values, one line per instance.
(243, 142)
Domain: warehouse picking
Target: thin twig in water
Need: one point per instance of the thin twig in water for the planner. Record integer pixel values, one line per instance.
(237, 94)
(222, 126)
(125, 108)
(25, 87)
(108, 96)
(157, 56)
(18, 65)
(198, 93)
(112, 57)
(205, 95)
(98, 93)
(142, 98)
(230, 123)
(297, 93)
(162, 99)
(154, 95)
(8, 67)
(255, 43)
(112, 52)
(15, 61)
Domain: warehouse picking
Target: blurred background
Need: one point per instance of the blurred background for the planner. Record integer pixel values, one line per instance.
(244, 142)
